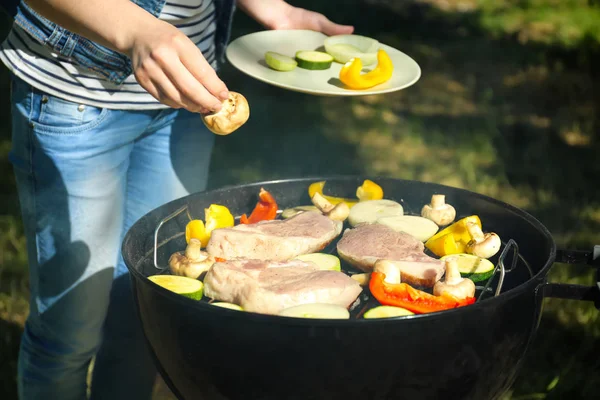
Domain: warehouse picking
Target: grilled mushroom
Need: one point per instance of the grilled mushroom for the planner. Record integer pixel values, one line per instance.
(454, 284)
(191, 263)
(482, 245)
(438, 211)
(233, 114)
(391, 270)
(339, 212)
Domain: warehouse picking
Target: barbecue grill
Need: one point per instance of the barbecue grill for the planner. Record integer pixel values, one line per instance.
(473, 352)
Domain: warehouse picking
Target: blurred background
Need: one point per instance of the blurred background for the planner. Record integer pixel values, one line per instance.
(508, 105)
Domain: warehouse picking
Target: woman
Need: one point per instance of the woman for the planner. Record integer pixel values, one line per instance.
(105, 98)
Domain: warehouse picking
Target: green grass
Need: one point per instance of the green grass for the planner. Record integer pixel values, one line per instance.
(507, 106)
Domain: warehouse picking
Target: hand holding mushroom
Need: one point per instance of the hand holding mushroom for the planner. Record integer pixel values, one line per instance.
(339, 212)
(454, 284)
(482, 245)
(191, 263)
(438, 211)
(233, 114)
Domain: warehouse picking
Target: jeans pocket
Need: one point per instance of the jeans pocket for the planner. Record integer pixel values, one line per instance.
(55, 115)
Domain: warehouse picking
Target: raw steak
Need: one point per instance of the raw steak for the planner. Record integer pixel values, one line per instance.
(268, 287)
(367, 243)
(277, 240)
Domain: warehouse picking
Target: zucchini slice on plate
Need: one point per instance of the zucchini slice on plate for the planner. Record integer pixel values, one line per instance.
(280, 62)
(313, 60)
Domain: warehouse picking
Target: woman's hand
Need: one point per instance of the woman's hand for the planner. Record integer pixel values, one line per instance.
(173, 70)
(277, 14)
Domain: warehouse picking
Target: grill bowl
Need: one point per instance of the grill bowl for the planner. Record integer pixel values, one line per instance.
(207, 352)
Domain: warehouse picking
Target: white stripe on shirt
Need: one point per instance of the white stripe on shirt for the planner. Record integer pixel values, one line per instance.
(47, 71)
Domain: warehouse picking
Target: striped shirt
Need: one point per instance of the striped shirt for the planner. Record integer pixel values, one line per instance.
(47, 71)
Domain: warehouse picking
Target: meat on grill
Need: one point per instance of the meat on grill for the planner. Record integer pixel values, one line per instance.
(277, 240)
(367, 243)
(268, 287)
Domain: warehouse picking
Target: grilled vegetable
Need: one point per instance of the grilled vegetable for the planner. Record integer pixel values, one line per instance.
(323, 260)
(482, 245)
(473, 267)
(369, 190)
(317, 187)
(193, 262)
(234, 113)
(453, 284)
(290, 212)
(188, 287)
(453, 239)
(216, 216)
(351, 75)
(405, 296)
(419, 227)
(313, 60)
(438, 211)
(265, 210)
(343, 48)
(387, 312)
(224, 304)
(316, 310)
(371, 210)
(362, 279)
(280, 62)
(338, 212)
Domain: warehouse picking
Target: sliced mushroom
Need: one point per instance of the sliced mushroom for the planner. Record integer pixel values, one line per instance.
(391, 271)
(362, 279)
(233, 114)
(482, 245)
(338, 212)
(454, 284)
(438, 210)
(191, 263)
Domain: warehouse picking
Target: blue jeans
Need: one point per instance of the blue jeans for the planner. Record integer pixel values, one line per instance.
(84, 176)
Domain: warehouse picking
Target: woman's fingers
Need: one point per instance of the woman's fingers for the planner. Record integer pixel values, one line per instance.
(193, 93)
(202, 71)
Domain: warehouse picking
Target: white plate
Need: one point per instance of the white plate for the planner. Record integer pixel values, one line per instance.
(247, 54)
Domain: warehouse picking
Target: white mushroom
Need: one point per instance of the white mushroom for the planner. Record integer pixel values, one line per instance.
(339, 212)
(234, 113)
(391, 271)
(438, 211)
(482, 245)
(191, 263)
(454, 284)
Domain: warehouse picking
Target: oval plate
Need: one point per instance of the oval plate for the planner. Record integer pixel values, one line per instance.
(247, 53)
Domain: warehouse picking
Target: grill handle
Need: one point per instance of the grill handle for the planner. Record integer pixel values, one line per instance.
(576, 292)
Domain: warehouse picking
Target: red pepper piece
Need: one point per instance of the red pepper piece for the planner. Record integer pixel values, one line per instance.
(265, 210)
(405, 296)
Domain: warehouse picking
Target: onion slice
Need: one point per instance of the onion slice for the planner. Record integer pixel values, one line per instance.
(343, 48)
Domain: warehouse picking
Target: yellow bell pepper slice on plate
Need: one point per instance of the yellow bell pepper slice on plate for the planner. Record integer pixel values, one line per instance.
(351, 76)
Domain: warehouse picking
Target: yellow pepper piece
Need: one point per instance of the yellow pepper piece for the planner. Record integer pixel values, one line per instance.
(452, 239)
(195, 229)
(351, 76)
(369, 191)
(216, 217)
(317, 187)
